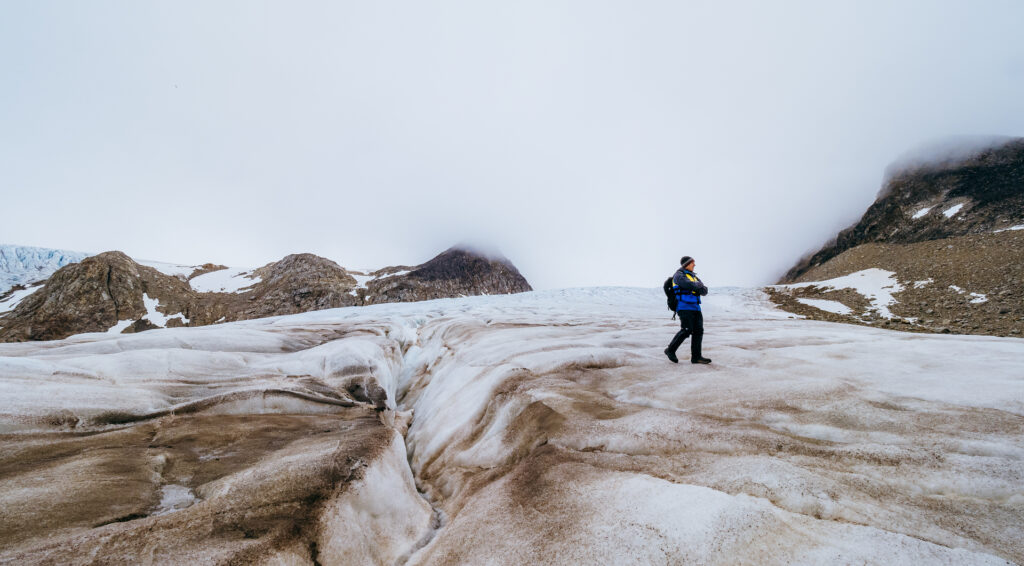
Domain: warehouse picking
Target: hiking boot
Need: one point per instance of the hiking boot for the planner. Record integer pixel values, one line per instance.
(700, 360)
(671, 356)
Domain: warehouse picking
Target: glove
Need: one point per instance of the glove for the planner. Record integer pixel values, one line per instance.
(703, 290)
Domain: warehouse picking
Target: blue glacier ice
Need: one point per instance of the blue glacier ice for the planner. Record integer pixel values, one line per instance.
(21, 265)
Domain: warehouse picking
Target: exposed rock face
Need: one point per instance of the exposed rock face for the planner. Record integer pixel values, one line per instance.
(953, 235)
(111, 291)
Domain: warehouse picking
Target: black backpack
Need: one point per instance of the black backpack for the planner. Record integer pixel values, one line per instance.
(670, 296)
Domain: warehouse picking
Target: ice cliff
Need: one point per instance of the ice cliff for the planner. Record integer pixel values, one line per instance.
(22, 265)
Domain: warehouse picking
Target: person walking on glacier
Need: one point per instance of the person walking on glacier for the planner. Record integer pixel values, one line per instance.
(688, 289)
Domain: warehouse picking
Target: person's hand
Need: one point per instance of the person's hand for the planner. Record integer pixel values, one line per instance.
(703, 290)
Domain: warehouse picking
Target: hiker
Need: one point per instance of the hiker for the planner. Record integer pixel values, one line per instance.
(688, 290)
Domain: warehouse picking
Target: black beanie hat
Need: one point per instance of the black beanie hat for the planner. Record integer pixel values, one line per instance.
(685, 260)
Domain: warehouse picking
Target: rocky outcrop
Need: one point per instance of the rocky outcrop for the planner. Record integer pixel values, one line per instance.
(112, 292)
(952, 236)
(94, 296)
(299, 283)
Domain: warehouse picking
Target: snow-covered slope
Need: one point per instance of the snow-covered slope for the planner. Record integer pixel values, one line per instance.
(542, 428)
(21, 265)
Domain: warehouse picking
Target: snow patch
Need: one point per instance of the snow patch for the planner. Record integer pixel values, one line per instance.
(231, 280)
(16, 297)
(362, 279)
(923, 282)
(155, 316)
(826, 305)
(1018, 227)
(174, 498)
(877, 285)
(977, 298)
(921, 213)
(174, 270)
(951, 211)
(120, 326)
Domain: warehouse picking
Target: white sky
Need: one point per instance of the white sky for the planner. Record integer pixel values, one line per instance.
(594, 143)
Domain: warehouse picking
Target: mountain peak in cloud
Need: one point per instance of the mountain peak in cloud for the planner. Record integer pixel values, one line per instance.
(942, 153)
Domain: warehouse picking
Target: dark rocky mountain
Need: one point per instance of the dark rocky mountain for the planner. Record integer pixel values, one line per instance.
(912, 205)
(454, 273)
(953, 235)
(112, 292)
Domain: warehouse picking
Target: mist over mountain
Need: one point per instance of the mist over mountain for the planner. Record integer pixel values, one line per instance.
(949, 231)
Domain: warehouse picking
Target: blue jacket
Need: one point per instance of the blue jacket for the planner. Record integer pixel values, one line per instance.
(688, 288)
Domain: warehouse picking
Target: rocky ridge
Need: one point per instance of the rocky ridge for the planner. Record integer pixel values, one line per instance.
(110, 292)
(951, 234)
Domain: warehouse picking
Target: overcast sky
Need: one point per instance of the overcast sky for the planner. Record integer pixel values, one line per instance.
(593, 143)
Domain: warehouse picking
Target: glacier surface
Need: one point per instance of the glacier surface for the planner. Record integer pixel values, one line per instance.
(544, 428)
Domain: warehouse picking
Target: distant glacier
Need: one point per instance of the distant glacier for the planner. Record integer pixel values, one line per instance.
(21, 265)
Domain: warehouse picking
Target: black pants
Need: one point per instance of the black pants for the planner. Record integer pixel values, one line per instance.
(692, 324)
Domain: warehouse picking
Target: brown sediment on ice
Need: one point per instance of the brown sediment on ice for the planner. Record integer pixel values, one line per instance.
(261, 467)
(538, 474)
(254, 488)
